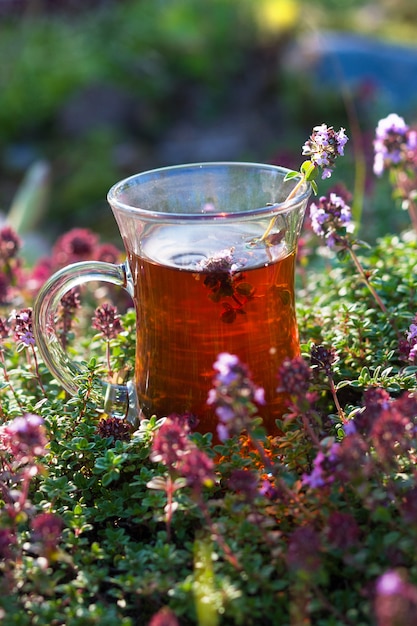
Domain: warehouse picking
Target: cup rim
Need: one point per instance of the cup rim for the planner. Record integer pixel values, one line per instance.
(275, 208)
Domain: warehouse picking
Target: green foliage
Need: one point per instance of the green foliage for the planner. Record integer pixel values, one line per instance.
(115, 561)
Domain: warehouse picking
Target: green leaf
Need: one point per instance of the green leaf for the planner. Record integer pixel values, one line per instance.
(110, 477)
(291, 175)
(309, 170)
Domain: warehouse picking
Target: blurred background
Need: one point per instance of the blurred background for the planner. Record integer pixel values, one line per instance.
(92, 91)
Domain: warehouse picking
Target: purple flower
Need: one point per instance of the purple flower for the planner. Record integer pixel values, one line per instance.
(47, 529)
(10, 243)
(224, 365)
(22, 326)
(392, 433)
(25, 436)
(196, 467)
(412, 332)
(317, 477)
(349, 460)
(304, 550)
(389, 584)
(376, 400)
(7, 541)
(114, 427)
(108, 253)
(294, 377)
(331, 218)
(342, 530)
(107, 321)
(393, 143)
(324, 146)
(69, 303)
(221, 261)
(5, 291)
(79, 244)
(322, 358)
(4, 328)
(245, 482)
(324, 465)
(171, 441)
(349, 427)
(234, 395)
(173, 448)
(408, 346)
(395, 601)
(268, 490)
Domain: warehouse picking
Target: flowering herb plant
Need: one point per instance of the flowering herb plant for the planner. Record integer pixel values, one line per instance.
(102, 524)
(323, 147)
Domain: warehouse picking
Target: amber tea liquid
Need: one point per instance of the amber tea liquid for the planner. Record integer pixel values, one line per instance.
(196, 297)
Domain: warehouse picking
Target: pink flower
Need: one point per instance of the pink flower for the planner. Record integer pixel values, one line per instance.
(79, 244)
(25, 436)
(164, 617)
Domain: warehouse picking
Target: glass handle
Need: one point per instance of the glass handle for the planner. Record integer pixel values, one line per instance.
(118, 400)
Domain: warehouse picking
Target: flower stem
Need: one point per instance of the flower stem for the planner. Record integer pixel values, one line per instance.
(7, 378)
(217, 537)
(340, 411)
(290, 195)
(366, 280)
(38, 376)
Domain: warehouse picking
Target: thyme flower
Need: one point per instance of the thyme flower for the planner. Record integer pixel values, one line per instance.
(331, 218)
(25, 436)
(22, 325)
(107, 321)
(394, 143)
(234, 395)
(324, 146)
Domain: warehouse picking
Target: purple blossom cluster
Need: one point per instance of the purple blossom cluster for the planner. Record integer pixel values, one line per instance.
(395, 151)
(395, 144)
(234, 396)
(78, 244)
(22, 326)
(70, 303)
(81, 244)
(10, 264)
(324, 468)
(107, 321)
(409, 345)
(377, 435)
(324, 146)
(24, 437)
(331, 219)
(22, 440)
(19, 327)
(395, 599)
(46, 529)
(294, 376)
(173, 448)
(221, 261)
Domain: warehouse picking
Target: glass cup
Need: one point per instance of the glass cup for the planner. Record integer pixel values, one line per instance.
(210, 265)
